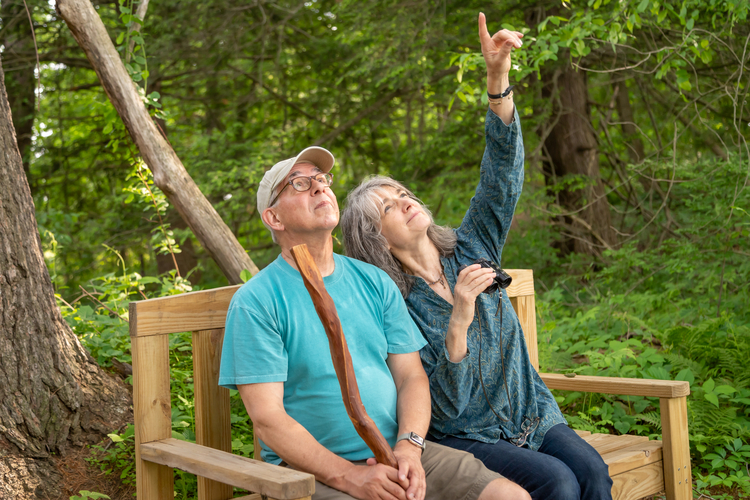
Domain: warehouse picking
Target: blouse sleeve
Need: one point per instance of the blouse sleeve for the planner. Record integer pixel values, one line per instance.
(450, 383)
(490, 213)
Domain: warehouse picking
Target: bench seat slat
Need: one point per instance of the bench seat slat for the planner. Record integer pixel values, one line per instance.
(606, 443)
(633, 457)
(638, 483)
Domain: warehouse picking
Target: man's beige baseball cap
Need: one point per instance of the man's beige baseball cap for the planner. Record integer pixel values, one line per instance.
(320, 157)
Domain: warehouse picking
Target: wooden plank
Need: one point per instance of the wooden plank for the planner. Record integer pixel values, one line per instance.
(152, 413)
(633, 457)
(525, 307)
(212, 414)
(674, 430)
(206, 309)
(617, 385)
(607, 443)
(256, 496)
(271, 480)
(522, 284)
(188, 312)
(582, 433)
(638, 483)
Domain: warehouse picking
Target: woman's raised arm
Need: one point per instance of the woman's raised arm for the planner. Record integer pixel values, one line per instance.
(496, 50)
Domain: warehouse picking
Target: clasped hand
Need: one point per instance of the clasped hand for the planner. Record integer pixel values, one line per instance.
(376, 481)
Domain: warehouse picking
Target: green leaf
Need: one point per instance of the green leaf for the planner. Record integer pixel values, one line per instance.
(120, 38)
(708, 385)
(107, 128)
(154, 95)
(115, 438)
(245, 275)
(686, 375)
(643, 5)
(725, 389)
(140, 60)
(712, 398)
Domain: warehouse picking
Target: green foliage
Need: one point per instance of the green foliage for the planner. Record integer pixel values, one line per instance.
(118, 456)
(673, 311)
(85, 494)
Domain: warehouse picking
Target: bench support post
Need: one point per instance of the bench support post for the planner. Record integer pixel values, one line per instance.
(674, 426)
(212, 413)
(152, 412)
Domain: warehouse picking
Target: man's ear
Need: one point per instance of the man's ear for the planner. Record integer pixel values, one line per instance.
(271, 219)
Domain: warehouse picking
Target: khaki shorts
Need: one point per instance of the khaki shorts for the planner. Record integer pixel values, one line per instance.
(451, 475)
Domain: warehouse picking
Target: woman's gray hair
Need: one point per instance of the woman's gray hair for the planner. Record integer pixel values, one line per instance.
(360, 225)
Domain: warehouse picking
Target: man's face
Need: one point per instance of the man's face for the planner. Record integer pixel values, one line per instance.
(306, 211)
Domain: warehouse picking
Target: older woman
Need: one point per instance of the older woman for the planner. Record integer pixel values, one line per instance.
(487, 398)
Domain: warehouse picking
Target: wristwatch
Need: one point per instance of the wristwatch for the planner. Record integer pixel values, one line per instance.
(413, 438)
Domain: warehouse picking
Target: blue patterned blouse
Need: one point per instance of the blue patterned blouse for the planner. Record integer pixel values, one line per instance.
(459, 407)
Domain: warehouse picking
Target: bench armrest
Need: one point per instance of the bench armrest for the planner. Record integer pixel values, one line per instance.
(267, 479)
(616, 385)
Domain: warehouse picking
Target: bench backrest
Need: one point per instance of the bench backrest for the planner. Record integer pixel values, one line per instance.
(204, 314)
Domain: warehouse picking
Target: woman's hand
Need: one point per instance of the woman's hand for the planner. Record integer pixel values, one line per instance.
(470, 283)
(496, 49)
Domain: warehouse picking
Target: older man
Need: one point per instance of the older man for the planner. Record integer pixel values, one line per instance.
(276, 354)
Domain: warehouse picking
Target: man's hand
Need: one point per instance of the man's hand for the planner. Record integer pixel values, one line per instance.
(410, 471)
(496, 48)
(374, 481)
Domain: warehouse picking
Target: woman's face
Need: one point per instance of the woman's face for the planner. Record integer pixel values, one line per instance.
(402, 220)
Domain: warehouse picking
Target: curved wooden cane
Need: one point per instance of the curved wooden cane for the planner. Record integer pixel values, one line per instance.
(342, 360)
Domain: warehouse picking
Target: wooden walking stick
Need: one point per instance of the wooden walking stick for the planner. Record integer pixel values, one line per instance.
(342, 360)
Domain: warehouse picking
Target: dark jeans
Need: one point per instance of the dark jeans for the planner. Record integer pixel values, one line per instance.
(565, 468)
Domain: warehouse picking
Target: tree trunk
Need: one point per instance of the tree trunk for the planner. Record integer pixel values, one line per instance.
(627, 123)
(169, 173)
(572, 150)
(20, 83)
(53, 395)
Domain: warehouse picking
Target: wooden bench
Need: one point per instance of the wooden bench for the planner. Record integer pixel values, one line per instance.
(638, 467)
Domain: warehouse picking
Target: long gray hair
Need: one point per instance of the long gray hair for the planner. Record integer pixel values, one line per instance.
(360, 225)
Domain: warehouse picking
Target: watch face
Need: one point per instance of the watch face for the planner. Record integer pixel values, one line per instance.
(417, 439)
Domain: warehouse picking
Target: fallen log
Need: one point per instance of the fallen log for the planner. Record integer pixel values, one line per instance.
(169, 173)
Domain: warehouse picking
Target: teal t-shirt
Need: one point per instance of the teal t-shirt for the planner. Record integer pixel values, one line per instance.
(273, 334)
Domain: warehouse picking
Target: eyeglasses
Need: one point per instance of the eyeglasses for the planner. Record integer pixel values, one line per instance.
(528, 426)
(304, 183)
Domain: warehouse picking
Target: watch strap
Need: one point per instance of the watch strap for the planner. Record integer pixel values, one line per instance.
(505, 93)
(413, 438)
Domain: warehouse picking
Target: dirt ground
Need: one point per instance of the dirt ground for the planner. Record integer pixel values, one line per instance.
(80, 475)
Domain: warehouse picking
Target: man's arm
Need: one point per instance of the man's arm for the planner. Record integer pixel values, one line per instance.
(297, 447)
(413, 416)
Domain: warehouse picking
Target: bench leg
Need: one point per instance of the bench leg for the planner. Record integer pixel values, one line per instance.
(674, 426)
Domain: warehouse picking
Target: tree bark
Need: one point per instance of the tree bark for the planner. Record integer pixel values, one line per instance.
(572, 150)
(169, 173)
(20, 83)
(53, 395)
(627, 123)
